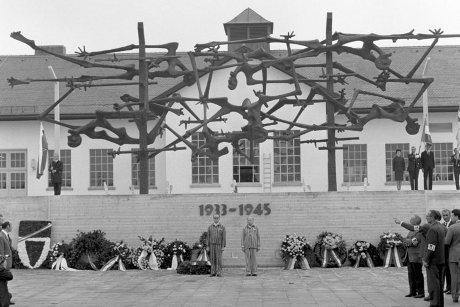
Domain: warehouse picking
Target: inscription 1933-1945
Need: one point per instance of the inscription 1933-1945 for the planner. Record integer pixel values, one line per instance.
(243, 209)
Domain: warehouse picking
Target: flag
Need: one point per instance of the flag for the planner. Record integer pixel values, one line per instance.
(458, 130)
(42, 152)
(426, 136)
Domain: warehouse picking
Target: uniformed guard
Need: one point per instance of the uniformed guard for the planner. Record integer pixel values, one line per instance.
(250, 244)
(216, 244)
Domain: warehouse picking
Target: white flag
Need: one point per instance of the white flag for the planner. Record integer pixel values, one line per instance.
(42, 152)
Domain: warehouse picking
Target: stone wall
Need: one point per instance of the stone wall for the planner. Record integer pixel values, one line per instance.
(356, 215)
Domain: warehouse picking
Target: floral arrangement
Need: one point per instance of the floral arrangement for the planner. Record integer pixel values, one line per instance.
(90, 250)
(58, 249)
(363, 250)
(330, 249)
(178, 248)
(391, 247)
(33, 251)
(150, 246)
(122, 250)
(294, 246)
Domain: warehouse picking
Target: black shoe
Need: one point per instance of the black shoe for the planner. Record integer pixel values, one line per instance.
(427, 298)
(219, 275)
(419, 296)
(254, 274)
(12, 303)
(248, 274)
(409, 295)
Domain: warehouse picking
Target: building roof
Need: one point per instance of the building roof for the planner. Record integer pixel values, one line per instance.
(33, 98)
(248, 16)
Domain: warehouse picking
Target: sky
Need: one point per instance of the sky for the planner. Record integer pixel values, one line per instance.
(106, 24)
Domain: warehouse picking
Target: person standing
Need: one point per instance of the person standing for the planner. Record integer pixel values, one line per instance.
(453, 242)
(55, 170)
(414, 242)
(6, 249)
(434, 259)
(5, 276)
(216, 244)
(447, 222)
(250, 244)
(413, 167)
(455, 159)
(399, 165)
(427, 163)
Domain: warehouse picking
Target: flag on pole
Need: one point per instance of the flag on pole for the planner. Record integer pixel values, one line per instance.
(42, 152)
(426, 136)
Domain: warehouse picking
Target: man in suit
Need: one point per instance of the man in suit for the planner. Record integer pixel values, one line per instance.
(216, 244)
(250, 244)
(413, 168)
(455, 160)
(414, 242)
(447, 222)
(453, 241)
(55, 170)
(427, 163)
(434, 258)
(5, 248)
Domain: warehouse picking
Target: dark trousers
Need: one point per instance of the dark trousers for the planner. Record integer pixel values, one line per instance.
(413, 178)
(428, 179)
(447, 275)
(215, 256)
(456, 173)
(57, 188)
(455, 270)
(435, 280)
(415, 276)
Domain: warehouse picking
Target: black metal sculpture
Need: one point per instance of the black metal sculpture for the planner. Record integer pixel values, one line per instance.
(257, 114)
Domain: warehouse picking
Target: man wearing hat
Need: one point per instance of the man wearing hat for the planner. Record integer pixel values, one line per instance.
(413, 167)
(427, 163)
(216, 244)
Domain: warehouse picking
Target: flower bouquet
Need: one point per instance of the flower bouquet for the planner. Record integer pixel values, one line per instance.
(330, 249)
(149, 255)
(363, 254)
(199, 250)
(57, 256)
(176, 252)
(392, 247)
(295, 249)
(122, 252)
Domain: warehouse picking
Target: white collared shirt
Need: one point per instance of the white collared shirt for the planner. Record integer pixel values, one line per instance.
(446, 223)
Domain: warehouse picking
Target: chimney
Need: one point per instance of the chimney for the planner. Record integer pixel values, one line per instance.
(248, 24)
(58, 49)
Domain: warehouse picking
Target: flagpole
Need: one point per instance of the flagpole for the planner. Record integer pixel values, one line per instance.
(57, 116)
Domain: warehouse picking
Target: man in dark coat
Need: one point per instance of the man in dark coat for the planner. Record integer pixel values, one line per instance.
(413, 167)
(427, 163)
(6, 250)
(447, 222)
(434, 259)
(455, 160)
(5, 276)
(414, 242)
(55, 170)
(216, 244)
(399, 166)
(453, 242)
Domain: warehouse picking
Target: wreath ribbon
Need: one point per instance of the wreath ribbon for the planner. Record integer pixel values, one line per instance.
(60, 264)
(392, 257)
(303, 263)
(203, 256)
(330, 253)
(369, 261)
(112, 262)
(152, 261)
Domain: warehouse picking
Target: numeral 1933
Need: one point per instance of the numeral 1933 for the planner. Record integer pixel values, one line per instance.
(243, 209)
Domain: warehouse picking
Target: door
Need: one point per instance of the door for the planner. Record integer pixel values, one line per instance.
(13, 173)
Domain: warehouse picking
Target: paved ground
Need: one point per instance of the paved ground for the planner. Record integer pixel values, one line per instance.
(273, 287)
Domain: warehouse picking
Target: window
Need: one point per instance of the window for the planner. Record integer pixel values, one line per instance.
(135, 171)
(66, 159)
(354, 163)
(443, 170)
(243, 170)
(204, 170)
(390, 153)
(100, 168)
(13, 170)
(286, 158)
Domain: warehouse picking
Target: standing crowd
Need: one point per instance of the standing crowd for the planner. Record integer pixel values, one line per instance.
(424, 162)
(434, 245)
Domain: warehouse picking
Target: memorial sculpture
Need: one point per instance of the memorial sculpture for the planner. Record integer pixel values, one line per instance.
(258, 114)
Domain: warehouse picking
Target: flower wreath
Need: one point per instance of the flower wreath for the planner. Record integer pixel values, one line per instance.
(330, 249)
(199, 253)
(122, 252)
(366, 253)
(178, 248)
(295, 248)
(140, 257)
(59, 249)
(391, 248)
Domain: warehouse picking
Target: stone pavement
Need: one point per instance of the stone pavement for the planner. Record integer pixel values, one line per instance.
(273, 287)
